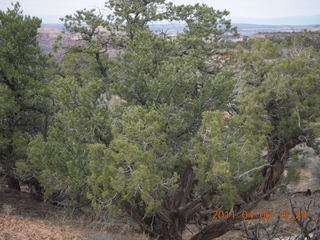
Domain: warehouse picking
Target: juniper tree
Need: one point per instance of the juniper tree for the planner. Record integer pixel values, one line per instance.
(285, 91)
(79, 90)
(60, 162)
(24, 99)
(188, 148)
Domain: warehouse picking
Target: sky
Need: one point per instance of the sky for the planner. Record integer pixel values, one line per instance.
(256, 11)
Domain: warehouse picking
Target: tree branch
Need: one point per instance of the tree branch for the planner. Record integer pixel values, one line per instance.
(253, 169)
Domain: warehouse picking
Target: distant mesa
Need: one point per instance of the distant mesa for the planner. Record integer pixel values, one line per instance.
(288, 21)
(49, 32)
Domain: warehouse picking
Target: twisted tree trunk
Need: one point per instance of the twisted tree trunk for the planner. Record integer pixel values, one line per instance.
(176, 212)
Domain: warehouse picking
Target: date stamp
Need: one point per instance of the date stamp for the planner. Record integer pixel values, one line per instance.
(263, 214)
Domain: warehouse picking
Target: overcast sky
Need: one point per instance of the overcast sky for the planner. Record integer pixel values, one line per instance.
(51, 10)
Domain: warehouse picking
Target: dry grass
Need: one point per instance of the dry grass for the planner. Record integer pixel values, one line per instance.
(23, 218)
(7, 209)
(24, 228)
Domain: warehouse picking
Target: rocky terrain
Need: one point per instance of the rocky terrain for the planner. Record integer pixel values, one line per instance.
(47, 34)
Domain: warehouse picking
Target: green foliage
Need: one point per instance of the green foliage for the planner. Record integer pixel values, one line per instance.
(137, 162)
(81, 116)
(202, 21)
(60, 162)
(135, 15)
(286, 91)
(299, 41)
(226, 147)
(23, 95)
(267, 49)
(199, 126)
(228, 195)
(97, 34)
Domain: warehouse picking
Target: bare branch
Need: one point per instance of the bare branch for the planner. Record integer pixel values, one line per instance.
(252, 170)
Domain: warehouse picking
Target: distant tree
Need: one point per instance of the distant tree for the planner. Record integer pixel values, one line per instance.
(267, 48)
(135, 15)
(96, 35)
(23, 97)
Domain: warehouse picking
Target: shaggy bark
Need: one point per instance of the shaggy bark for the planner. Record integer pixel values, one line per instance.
(278, 157)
